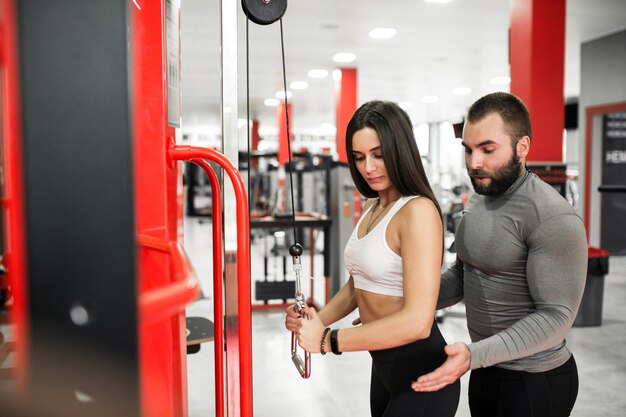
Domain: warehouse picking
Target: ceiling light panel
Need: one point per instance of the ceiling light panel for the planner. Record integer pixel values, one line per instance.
(382, 33)
(281, 95)
(344, 57)
(298, 85)
(318, 73)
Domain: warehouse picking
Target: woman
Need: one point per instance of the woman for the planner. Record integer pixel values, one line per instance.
(394, 259)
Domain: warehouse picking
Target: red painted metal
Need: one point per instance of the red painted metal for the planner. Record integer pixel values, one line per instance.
(172, 298)
(159, 224)
(158, 214)
(244, 342)
(254, 139)
(13, 199)
(590, 113)
(218, 290)
(537, 57)
(283, 111)
(597, 253)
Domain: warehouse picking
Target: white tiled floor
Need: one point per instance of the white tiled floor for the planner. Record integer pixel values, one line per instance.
(339, 386)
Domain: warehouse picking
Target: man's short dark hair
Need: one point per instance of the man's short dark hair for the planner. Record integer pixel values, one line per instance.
(510, 108)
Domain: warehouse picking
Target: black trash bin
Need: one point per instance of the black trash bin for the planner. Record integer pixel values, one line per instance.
(590, 310)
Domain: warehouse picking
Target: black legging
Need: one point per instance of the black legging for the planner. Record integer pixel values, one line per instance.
(496, 392)
(394, 369)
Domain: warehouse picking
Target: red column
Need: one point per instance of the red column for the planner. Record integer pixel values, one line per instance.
(283, 153)
(158, 213)
(537, 54)
(254, 138)
(12, 203)
(346, 102)
(254, 135)
(283, 150)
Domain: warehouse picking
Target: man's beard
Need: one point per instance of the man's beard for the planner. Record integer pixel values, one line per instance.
(501, 180)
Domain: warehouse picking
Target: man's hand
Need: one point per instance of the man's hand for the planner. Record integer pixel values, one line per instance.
(453, 368)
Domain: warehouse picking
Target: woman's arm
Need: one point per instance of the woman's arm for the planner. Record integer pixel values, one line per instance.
(419, 237)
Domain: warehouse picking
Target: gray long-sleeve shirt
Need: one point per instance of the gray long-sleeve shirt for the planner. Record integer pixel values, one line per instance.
(521, 268)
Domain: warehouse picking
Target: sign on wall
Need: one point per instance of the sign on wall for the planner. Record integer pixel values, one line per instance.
(613, 211)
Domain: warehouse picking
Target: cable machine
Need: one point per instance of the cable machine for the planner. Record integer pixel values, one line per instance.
(92, 209)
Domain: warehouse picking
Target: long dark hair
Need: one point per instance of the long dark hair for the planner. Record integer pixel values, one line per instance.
(399, 149)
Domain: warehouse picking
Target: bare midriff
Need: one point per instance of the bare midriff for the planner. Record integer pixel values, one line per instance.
(374, 306)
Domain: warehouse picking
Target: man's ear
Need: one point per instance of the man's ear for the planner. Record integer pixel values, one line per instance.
(523, 147)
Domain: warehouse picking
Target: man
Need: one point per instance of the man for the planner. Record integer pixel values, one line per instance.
(521, 267)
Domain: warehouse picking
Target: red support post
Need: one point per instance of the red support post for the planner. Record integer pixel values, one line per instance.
(218, 290)
(188, 153)
(537, 55)
(13, 198)
(283, 136)
(254, 138)
(158, 211)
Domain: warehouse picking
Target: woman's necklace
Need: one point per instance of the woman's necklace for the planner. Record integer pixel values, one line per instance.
(373, 217)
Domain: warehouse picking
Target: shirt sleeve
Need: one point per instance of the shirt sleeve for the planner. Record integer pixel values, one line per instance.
(451, 288)
(556, 272)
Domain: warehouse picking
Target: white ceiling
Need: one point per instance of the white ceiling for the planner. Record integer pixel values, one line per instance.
(437, 47)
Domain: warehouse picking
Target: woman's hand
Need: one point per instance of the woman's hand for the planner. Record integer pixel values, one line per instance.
(309, 331)
(291, 319)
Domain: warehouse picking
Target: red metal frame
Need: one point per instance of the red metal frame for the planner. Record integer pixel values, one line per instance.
(537, 62)
(159, 215)
(172, 298)
(158, 218)
(218, 273)
(13, 199)
(590, 113)
(162, 344)
(244, 343)
(346, 104)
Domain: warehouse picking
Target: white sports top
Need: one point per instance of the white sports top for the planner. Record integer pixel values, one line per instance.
(374, 267)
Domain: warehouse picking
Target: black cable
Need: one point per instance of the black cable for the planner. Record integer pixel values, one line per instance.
(248, 135)
(293, 206)
(248, 115)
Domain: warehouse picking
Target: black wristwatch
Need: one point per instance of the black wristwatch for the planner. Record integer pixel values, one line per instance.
(334, 343)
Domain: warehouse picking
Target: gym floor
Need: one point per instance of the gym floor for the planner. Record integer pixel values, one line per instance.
(339, 385)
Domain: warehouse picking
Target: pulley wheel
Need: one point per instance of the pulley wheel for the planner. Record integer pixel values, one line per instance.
(264, 12)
